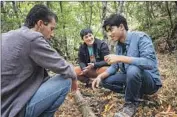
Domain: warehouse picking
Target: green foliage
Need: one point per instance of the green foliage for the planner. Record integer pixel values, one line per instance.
(151, 17)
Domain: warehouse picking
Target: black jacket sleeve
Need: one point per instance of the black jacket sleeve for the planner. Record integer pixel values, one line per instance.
(104, 50)
(81, 57)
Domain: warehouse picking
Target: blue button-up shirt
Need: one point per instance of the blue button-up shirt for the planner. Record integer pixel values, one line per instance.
(140, 48)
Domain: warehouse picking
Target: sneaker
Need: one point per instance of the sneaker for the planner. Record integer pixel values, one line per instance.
(128, 110)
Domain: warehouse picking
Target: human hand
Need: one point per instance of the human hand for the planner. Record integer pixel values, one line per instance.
(90, 66)
(96, 82)
(111, 58)
(84, 71)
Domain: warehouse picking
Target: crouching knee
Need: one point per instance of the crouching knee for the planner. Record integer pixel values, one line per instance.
(64, 83)
(133, 73)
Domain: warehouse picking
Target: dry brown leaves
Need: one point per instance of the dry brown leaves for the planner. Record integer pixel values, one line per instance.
(105, 103)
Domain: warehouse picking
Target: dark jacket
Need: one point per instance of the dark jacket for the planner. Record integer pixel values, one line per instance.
(100, 49)
(25, 56)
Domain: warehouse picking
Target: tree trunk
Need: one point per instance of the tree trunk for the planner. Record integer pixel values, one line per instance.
(148, 14)
(2, 7)
(172, 41)
(176, 4)
(169, 40)
(169, 14)
(16, 12)
(100, 10)
(116, 6)
(85, 13)
(86, 110)
(112, 44)
(48, 4)
(121, 3)
(104, 8)
(64, 35)
(91, 5)
(152, 11)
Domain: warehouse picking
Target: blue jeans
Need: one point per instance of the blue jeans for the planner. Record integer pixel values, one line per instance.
(134, 83)
(50, 95)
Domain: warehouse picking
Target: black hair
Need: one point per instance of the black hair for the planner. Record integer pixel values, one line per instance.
(39, 12)
(85, 32)
(115, 20)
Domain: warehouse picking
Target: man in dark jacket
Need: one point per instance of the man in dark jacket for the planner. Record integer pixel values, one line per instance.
(91, 56)
(26, 89)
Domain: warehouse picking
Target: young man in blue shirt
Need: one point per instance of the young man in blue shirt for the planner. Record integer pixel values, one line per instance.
(136, 63)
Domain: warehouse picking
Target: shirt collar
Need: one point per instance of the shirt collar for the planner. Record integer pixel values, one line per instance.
(127, 39)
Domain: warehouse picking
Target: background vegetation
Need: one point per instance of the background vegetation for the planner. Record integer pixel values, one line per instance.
(157, 18)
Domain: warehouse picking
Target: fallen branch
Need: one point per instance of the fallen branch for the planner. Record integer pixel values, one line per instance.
(83, 106)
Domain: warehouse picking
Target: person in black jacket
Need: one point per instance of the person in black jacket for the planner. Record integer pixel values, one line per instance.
(91, 57)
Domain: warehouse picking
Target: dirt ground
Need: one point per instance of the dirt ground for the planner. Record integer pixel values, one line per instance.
(104, 103)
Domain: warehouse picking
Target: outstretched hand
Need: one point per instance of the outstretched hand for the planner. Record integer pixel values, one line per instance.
(96, 82)
(90, 65)
(86, 69)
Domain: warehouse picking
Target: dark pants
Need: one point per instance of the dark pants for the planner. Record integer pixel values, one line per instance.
(135, 83)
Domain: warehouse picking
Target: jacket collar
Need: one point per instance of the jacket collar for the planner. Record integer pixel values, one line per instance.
(127, 39)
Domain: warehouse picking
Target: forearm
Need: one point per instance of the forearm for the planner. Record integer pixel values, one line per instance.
(100, 64)
(144, 63)
(103, 75)
(82, 65)
(124, 59)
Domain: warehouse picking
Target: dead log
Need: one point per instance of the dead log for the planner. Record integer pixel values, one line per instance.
(83, 106)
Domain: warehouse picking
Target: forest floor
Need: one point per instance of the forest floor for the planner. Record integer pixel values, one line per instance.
(104, 103)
